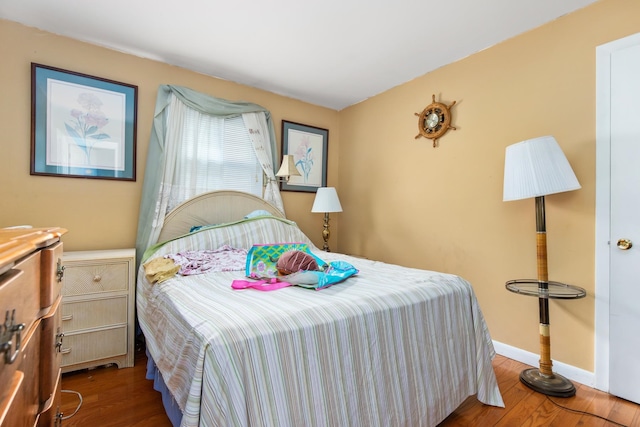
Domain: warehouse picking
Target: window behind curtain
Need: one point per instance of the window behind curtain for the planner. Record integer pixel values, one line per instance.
(216, 154)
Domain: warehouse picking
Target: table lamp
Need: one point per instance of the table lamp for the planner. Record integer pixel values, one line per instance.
(537, 168)
(326, 201)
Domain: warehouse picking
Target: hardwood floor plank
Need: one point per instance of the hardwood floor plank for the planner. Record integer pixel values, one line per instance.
(521, 413)
(622, 412)
(114, 397)
(579, 402)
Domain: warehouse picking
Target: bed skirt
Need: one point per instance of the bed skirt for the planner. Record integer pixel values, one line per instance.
(170, 406)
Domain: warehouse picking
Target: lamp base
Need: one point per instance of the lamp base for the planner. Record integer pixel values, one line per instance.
(557, 385)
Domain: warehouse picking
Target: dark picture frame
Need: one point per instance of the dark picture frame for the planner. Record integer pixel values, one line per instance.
(82, 126)
(308, 145)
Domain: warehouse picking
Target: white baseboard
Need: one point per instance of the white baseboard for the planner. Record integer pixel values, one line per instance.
(571, 372)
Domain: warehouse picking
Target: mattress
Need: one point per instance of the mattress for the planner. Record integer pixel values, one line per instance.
(390, 346)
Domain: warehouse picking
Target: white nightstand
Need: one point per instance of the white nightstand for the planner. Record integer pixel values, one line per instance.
(98, 308)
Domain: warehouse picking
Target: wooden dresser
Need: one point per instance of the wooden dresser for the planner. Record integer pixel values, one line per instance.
(30, 326)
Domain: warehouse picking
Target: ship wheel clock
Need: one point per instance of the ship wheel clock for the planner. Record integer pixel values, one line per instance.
(435, 120)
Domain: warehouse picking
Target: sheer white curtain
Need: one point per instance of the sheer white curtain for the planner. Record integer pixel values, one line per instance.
(256, 124)
(199, 143)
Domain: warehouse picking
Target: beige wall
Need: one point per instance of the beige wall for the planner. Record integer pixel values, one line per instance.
(103, 214)
(441, 208)
(404, 201)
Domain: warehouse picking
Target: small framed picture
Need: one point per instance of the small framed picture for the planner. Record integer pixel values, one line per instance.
(82, 126)
(308, 145)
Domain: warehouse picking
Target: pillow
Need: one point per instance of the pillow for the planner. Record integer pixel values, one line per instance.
(198, 227)
(258, 212)
(294, 261)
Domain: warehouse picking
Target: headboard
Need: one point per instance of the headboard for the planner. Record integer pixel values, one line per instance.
(214, 207)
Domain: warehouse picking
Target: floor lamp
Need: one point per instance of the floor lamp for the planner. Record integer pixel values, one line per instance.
(326, 201)
(537, 168)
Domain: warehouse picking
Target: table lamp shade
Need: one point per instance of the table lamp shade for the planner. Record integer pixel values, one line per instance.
(536, 167)
(326, 200)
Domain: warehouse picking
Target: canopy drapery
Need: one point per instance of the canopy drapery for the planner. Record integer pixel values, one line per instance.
(161, 157)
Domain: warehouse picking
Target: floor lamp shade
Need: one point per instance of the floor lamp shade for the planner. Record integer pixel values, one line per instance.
(536, 167)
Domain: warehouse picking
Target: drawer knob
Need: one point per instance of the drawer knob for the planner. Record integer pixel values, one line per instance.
(97, 278)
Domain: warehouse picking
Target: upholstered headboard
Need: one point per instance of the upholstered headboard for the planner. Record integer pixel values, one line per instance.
(214, 207)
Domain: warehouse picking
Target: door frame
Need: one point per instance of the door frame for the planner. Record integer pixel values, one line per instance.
(603, 204)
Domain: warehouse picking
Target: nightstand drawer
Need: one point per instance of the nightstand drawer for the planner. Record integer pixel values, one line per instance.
(94, 313)
(89, 346)
(88, 278)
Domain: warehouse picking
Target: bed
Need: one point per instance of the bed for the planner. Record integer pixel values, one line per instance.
(390, 346)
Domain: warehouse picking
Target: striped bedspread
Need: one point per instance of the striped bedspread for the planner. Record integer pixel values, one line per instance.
(392, 346)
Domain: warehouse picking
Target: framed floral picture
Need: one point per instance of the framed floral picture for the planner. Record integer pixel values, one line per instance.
(82, 126)
(308, 145)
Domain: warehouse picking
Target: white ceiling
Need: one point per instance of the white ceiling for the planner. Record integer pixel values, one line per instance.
(332, 53)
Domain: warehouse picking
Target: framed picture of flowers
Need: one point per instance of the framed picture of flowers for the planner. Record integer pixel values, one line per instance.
(308, 145)
(82, 126)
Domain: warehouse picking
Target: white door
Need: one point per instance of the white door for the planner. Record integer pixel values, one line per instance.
(623, 241)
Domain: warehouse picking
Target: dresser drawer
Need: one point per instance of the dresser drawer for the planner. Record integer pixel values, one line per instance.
(51, 264)
(89, 346)
(11, 398)
(19, 304)
(94, 313)
(20, 291)
(88, 278)
(22, 404)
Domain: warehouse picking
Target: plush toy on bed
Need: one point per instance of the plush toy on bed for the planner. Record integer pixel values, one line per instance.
(293, 261)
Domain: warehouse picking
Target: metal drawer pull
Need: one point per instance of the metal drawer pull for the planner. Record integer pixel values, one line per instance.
(67, 317)
(6, 334)
(60, 270)
(65, 351)
(59, 337)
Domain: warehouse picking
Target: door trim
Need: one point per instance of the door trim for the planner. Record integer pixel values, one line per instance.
(603, 204)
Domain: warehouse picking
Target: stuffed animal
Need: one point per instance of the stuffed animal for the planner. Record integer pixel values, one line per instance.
(293, 261)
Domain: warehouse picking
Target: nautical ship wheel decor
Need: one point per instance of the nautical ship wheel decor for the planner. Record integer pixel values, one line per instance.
(435, 120)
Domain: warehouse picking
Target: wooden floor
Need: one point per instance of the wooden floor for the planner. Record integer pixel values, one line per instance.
(115, 397)
(525, 407)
